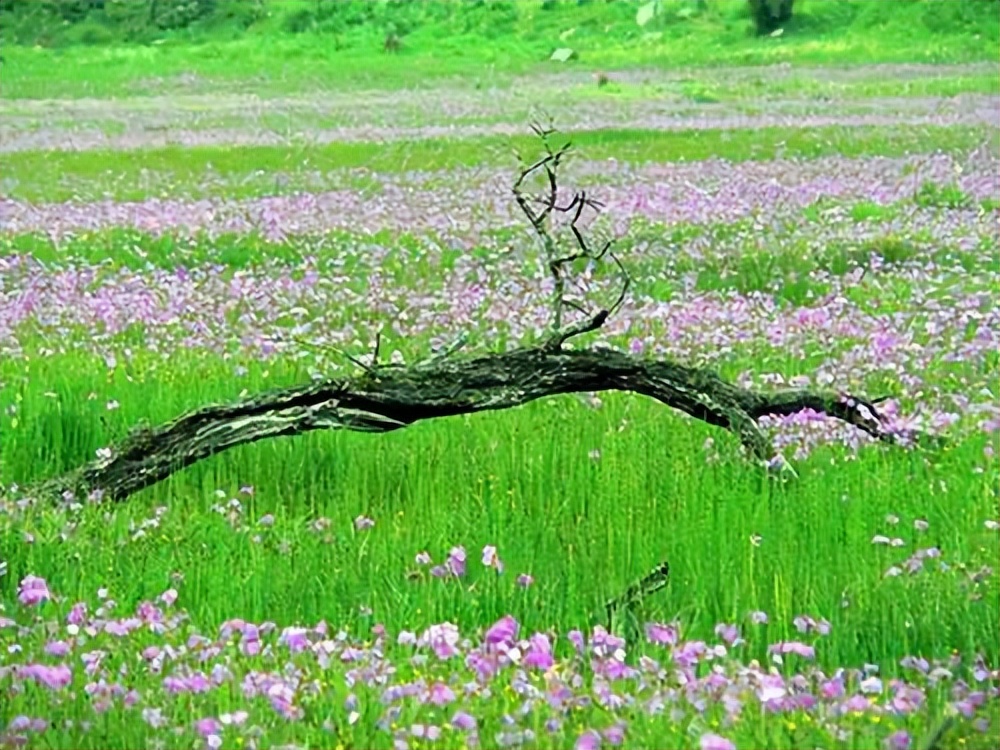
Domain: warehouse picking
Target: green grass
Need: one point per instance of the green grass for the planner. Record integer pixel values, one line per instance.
(584, 499)
(481, 41)
(755, 93)
(584, 528)
(245, 171)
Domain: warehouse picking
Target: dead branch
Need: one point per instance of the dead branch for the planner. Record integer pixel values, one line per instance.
(387, 397)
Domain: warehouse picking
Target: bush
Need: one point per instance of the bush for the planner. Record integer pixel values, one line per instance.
(91, 33)
(299, 21)
(769, 15)
(72, 10)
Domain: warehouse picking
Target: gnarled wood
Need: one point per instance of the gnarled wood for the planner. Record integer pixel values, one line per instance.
(389, 397)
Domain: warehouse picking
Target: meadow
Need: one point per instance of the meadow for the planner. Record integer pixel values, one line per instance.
(808, 224)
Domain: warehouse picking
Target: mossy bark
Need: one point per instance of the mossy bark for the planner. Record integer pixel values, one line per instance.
(390, 397)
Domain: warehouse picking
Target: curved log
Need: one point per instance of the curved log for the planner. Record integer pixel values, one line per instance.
(390, 397)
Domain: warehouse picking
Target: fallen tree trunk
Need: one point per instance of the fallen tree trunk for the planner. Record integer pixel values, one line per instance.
(389, 397)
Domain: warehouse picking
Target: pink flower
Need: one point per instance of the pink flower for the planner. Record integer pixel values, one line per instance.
(440, 694)
(33, 591)
(793, 647)
(503, 631)
(250, 640)
(464, 721)
(659, 633)
(456, 561)
(297, 639)
(207, 726)
(77, 614)
(539, 653)
(54, 678)
(729, 633)
(589, 740)
(57, 648)
(715, 742)
(442, 639)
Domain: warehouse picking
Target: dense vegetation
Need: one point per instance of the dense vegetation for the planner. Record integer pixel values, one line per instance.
(223, 198)
(307, 43)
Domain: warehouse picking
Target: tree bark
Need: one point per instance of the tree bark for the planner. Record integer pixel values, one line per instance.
(390, 397)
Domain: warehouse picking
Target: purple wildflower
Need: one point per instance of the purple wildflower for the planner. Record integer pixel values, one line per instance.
(792, 647)
(856, 704)
(729, 633)
(689, 653)
(615, 734)
(33, 591)
(662, 634)
(456, 561)
(250, 640)
(57, 648)
(296, 639)
(589, 740)
(462, 720)
(491, 559)
(539, 653)
(711, 741)
(442, 639)
(440, 694)
(54, 678)
(871, 685)
(207, 726)
(503, 632)
(833, 688)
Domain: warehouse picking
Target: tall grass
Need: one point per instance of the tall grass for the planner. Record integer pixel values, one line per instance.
(584, 496)
(582, 499)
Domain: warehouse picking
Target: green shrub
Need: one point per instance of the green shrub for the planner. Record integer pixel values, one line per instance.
(91, 33)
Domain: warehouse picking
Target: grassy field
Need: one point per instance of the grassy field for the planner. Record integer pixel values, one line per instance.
(338, 45)
(444, 585)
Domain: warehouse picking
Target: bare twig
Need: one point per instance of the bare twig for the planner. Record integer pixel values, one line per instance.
(556, 262)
